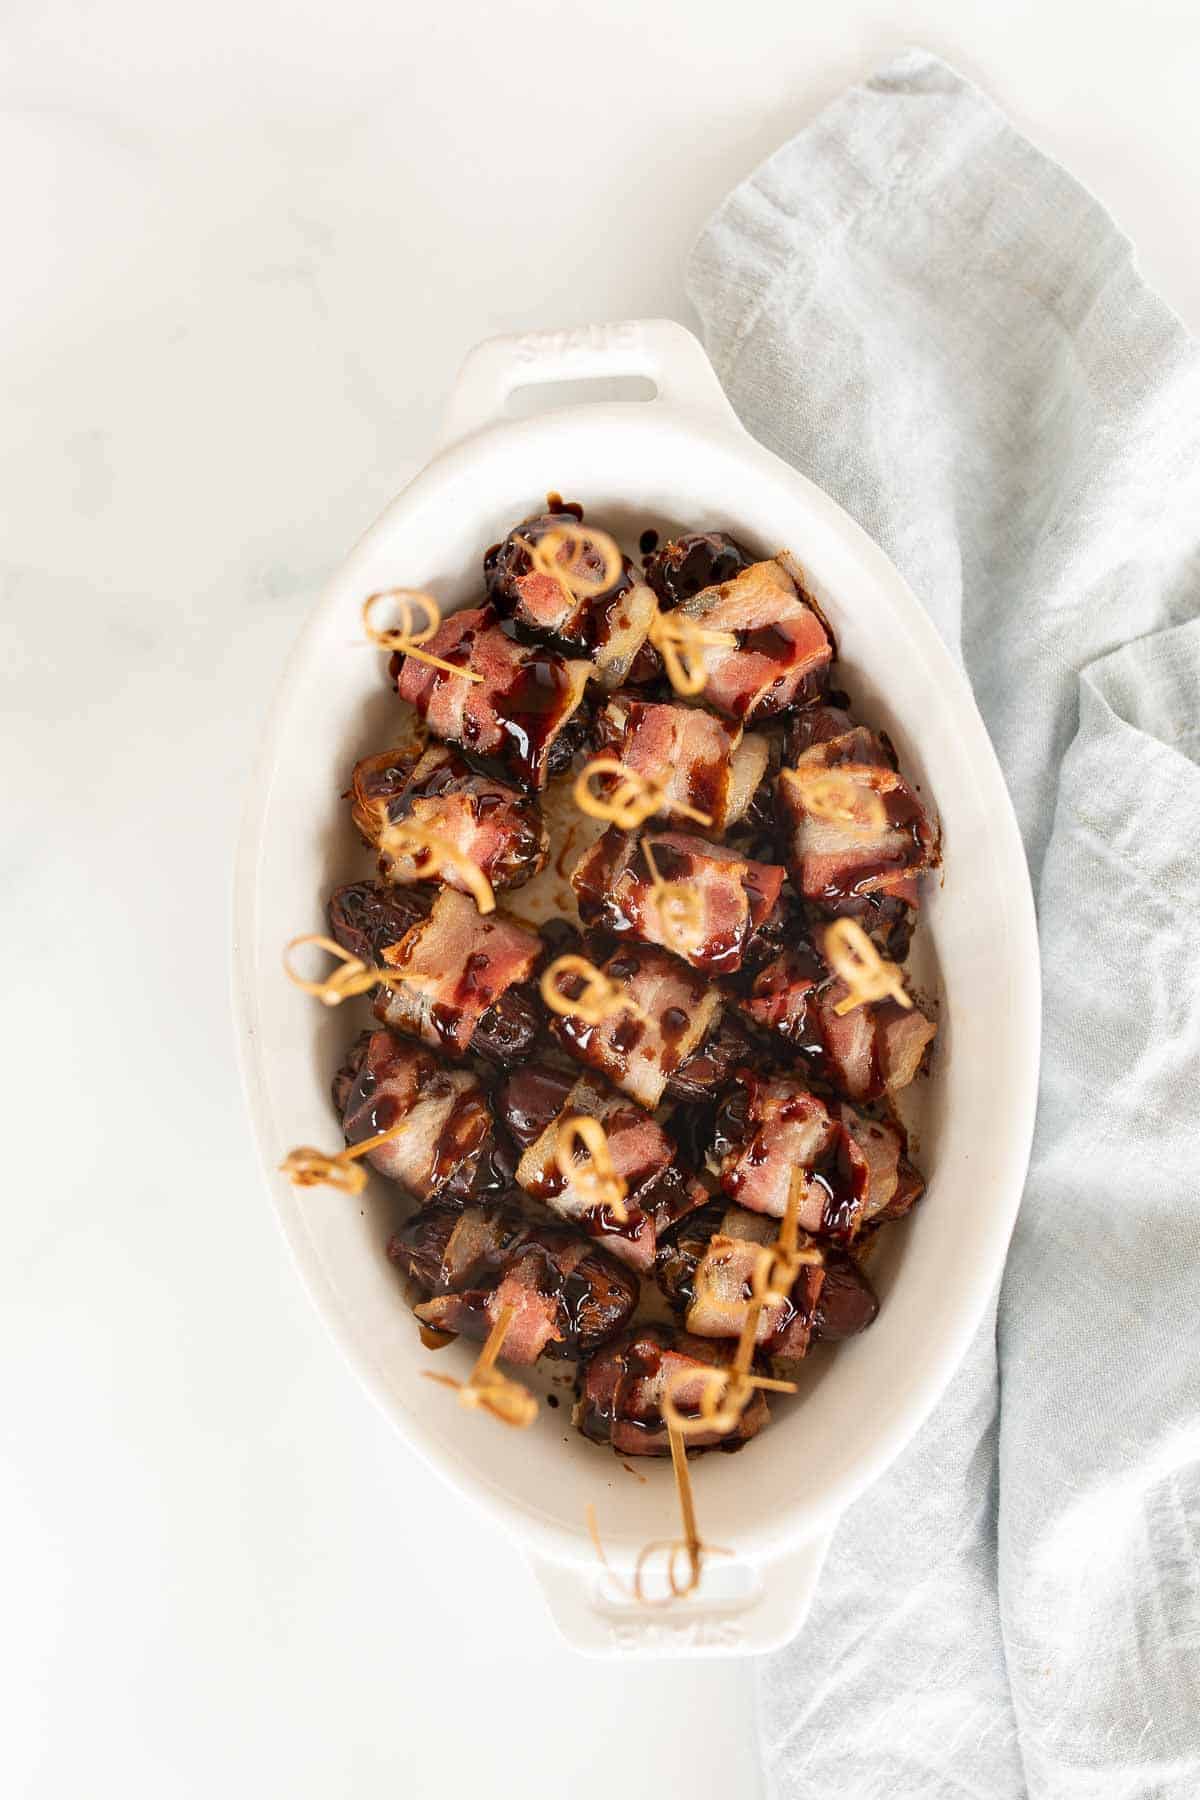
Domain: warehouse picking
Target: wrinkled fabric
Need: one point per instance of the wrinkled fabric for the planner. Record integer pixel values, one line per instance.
(944, 330)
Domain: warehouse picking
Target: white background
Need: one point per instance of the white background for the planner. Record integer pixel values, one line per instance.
(244, 249)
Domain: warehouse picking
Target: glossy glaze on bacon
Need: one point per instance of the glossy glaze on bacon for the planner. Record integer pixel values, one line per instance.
(701, 761)
(567, 1295)
(448, 1146)
(639, 1054)
(858, 869)
(620, 1391)
(783, 647)
(869, 1051)
(522, 711)
(493, 824)
(535, 1100)
(469, 987)
(770, 1127)
(615, 892)
(609, 627)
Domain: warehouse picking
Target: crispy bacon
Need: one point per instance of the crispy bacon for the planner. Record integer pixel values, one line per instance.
(639, 1054)
(614, 887)
(782, 646)
(492, 824)
(447, 1142)
(855, 868)
(658, 1192)
(519, 713)
(701, 761)
(372, 921)
(455, 965)
(867, 1052)
(706, 1271)
(770, 1127)
(610, 627)
(620, 1391)
(567, 1295)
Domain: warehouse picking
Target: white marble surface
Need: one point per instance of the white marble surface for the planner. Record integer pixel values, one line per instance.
(245, 248)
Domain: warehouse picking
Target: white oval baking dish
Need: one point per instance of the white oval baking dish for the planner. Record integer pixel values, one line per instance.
(678, 460)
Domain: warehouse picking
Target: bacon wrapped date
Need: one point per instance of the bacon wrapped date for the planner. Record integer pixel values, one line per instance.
(567, 1295)
(522, 712)
(706, 1270)
(620, 1391)
(489, 822)
(534, 1102)
(866, 867)
(782, 648)
(735, 896)
(894, 1185)
(770, 1127)
(639, 1051)
(700, 761)
(869, 1051)
(610, 627)
(448, 1148)
(466, 978)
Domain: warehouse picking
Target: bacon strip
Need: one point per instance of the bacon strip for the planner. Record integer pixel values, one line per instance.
(494, 825)
(615, 890)
(782, 643)
(870, 1051)
(839, 867)
(517, 713)
(455, 965)
(701, 761)
(567, 1296)
(640, 1054)
(772, 1127)
(610, 627)
(621, 1391)
(642, 1155)
(385, 1080)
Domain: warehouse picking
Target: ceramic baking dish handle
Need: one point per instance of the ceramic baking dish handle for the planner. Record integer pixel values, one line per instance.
(657, 349)
(756, 1611)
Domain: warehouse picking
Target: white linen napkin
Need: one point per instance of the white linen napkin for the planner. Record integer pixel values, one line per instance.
(940, 326)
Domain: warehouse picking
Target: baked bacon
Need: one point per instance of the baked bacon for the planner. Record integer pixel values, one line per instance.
(520, 713)
(869, 1051)
(770, 1127)
(859, 868)
(701, 761)
(782, 648)
(461, 976)
(534, 1102)
(620, 1391)
(610, 627)
(567, 1295)
(640, 1051)
(489, 822)
(616, 892)
(446, 1148)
